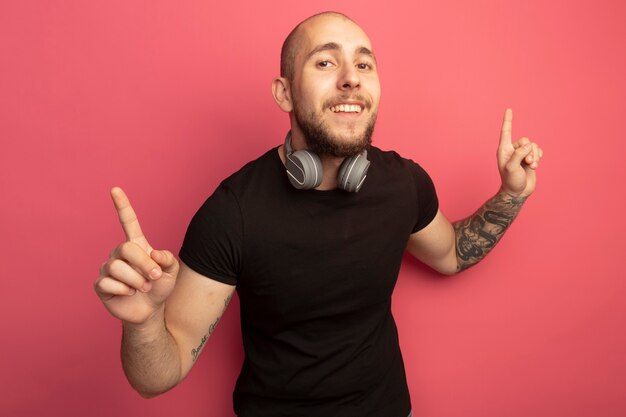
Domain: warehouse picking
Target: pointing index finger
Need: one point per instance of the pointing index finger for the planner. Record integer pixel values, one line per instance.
(507, 124)
(127, 216)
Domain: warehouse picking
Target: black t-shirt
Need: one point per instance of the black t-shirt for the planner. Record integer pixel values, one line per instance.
(314, 271)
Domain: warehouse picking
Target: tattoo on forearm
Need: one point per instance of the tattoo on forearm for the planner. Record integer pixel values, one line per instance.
(478, 234)
(196, 352)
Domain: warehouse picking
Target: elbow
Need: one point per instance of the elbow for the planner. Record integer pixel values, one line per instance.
(449, 270)
(147, 390)
(148, 393)
(449, 265)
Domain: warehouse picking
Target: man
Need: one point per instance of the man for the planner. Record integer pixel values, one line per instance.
(313, 260)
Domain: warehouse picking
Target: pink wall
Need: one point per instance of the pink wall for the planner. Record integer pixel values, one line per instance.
(167, 98)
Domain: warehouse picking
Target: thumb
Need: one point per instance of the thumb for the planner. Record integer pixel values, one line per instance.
(166, 260)
(519, 155)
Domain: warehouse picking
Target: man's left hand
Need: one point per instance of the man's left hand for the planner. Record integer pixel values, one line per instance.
(517, 161)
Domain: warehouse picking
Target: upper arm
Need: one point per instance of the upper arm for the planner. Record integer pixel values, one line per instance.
(192, 312)
(435, 245)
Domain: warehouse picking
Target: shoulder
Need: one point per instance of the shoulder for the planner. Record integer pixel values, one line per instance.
(258, 170)
(392, 161)
(227, 197)
(391, 168)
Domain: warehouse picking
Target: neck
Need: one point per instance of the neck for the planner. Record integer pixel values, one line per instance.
(330, 165)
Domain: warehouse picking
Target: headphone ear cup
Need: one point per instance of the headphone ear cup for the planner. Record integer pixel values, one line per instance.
(353, 172)
(304, 169)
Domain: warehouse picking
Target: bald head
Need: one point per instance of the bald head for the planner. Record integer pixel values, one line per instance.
(293, 41)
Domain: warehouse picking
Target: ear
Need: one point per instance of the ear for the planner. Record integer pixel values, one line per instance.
(282, 93)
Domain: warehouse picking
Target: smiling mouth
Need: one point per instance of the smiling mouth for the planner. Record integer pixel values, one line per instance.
(346, 108)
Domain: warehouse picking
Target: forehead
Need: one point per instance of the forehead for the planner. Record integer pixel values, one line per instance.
(332, 29)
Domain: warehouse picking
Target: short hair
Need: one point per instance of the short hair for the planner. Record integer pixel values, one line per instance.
(291, 45)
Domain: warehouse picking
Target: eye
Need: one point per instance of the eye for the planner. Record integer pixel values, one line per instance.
(364, 66)
(325, 64)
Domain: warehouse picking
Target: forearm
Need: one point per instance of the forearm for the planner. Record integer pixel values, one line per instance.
(150, 357)
(477, 235)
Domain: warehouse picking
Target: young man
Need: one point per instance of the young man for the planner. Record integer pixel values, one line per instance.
(314, 253)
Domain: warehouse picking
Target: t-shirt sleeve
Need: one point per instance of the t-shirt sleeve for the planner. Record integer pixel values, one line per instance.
(427, 202)
(213, 242)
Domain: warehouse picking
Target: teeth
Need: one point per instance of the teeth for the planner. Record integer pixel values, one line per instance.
(346, 108)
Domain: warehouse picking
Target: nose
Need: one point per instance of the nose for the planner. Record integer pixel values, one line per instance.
(349, 78)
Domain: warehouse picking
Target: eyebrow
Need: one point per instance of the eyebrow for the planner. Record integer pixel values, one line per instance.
(332, 46)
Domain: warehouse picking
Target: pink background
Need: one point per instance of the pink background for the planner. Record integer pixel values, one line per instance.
(167, 98)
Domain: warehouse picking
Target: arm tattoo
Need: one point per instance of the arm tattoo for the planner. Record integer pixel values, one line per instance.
(478, 234)
(196, 352)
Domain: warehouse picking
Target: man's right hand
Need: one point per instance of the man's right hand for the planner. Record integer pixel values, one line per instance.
(136, 280)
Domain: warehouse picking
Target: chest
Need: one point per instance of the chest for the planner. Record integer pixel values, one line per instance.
(323, 255)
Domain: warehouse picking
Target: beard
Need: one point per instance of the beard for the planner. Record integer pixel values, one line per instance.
(323, 142)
